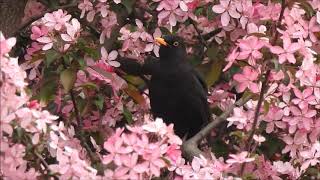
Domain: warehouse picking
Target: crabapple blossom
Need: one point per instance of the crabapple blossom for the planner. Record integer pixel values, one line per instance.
(227, 9)
(287, 52)
(246, 79)
(249, 49)
(239, 158)
(117, 138)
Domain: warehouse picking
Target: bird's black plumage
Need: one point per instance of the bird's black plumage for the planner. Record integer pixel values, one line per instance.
(177, 92)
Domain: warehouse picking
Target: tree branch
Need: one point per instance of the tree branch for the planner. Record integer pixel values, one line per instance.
(190, 147)
(202, 40)
(45, 164)
(275, 38)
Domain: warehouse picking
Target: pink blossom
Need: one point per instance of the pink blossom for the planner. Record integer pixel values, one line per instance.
(269, 12)
(84, 6)
(304, 98)
(172, 11)
(307, 28)
(239, 118)
(6, 44)
(228, 9)
(72, 31)
(249, 49)
(38, 32)
(253, 28)
(231, 58)
(274, 119)
(283, 167)
(246, 79)
(107, 23)
(153, 161)
(259, 138)
(154, 46)
(109, 57)
(46, 41)
(287, 52)
(302, 118)
(239, 158)
(311, 156)
(56, 20)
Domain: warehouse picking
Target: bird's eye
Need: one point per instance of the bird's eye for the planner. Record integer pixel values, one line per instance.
(176, 43)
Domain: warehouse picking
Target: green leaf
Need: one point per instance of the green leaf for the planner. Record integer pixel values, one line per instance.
(90, 51)
(134, 80)
(47, 90)
(220, 148)
(213, 75)
(212, 52)
(102, 72)
(272, 145)
(128, 4)
(51, 56)
(99, 102)
(68, 78)
(307, 7)
(266, 107)
(82, 63)
(198, 11)
(135, 95)
(89, 85)
(127, 115)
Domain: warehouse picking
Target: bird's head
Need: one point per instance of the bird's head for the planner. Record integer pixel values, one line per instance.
(171, 47)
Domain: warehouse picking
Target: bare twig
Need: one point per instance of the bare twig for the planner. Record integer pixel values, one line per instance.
(190, 147)
(257, 111)
(77, 112)
(199, 33)
(275, 38)
(45, 164)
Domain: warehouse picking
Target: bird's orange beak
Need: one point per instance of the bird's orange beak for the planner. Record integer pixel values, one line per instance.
(161, 41)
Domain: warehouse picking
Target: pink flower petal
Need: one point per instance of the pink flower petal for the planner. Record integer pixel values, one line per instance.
(225, 19)
(218, 9)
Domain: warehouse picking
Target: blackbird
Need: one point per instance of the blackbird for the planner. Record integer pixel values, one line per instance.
(178, 94)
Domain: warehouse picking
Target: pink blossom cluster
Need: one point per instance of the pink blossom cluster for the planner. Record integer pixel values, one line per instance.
(137, 43)
(58, 22)
(13, 99)
(171, 12)
(100, 8)
(255, 43)
(17, 112)
(293, 104)
(55, 31)
(142, 151)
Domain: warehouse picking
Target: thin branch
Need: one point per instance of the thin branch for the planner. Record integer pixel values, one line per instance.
(275, 38)
(257, 111)
(190, 147)
(45, 164)
(77, 112)
(199, 33)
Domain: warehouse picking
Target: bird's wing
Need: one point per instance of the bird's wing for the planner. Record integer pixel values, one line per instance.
(131, 66)
(201, 80)
(194, 92)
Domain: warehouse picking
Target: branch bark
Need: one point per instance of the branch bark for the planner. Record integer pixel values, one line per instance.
(11, 14)
(190, 147)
